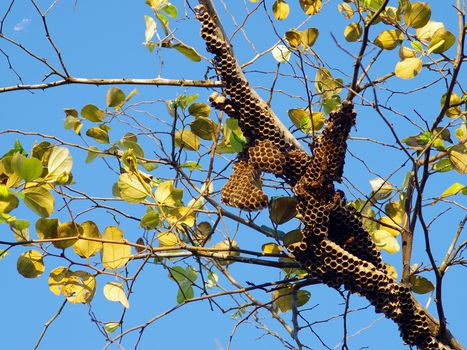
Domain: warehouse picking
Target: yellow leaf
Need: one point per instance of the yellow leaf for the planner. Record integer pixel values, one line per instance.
(280, 9)
(57, 279)
(389, 39)
(405, 52)
(67, 230)
(426, 32)
(150, 28)
(271, 248)
(187, 139)
(114, 292)
(386, 241)
(227, 246)
(346, 10)
(86, 248)
(283, 298)
(458, 157)
(30, 264)
(391, 271)
(114, 255)
(311, 7)
(132, 189)
(80, 287)
(293, 38)
(408, 68)
(455, 99)
(353, 32)
(167, 239)
(390, 225)
(309, 36)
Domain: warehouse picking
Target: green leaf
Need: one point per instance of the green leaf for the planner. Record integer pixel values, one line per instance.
(191, 165)
(443, 165)
(408, 68)
(92, 155)
(98, 134)
(150, 220)
(30, 264)
(92, 113)
(292, 237)
(421, 285)
(115, 98)
(199, 110)
(454, 189)
(74, 123)
(28, 169)
(187, 139)
(69, 230)
(111, 327)
(39, 200)
(20, 229)
(132, 189)
(204, 128)
(418, 15)
(184, 279)
(47, 228)
(114, 255)
(282, 209)
(59, 163)
(170, 10)
(441, 41)
(187, 51)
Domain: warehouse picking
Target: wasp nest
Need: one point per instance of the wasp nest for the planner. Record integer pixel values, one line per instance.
(243, 188)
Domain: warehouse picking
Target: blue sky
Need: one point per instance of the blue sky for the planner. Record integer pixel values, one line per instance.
(104, 39)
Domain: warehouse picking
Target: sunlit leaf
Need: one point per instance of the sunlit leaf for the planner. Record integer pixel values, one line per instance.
(311, 7)
(408, 68)
(150, 28)
(353, 32)
(455, 100)
(114, 292)
(132, 189)
(28, 169)
(39, 200)
(86, 248)
(114, 255)
(47, 228)
(227, 246)
(381, 189)
(405, 52)
(386, 241)
(418, 15)
(92, 113)
(346, 10)
(281, 53)
(441, 41)
(271, 248)
(79, 287)
(167, 239)
(389, 39)
(115, 98)
(99, 134)
(283, 298)
(454, 189)
(426, 32)
(92, 155)
(150, 220)
(187, 139)
(391, 271)
(187, 51)
(8, 201)
(111, 327)
(199, 110)
(170, 10)
(458, 156)
(30, 264)
(69, 230)
(167, 194)
(281, 9)
(20, 229)
(293, 38)
(204, 128)
(59, 163)
(309, 36)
